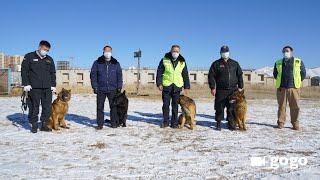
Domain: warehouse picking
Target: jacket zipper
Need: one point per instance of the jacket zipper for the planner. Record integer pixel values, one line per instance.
(229, 77)
(108, 76)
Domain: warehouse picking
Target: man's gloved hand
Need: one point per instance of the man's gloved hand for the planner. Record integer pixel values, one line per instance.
(27, 88)
(95, 90)
(118, 90)
(53, 89)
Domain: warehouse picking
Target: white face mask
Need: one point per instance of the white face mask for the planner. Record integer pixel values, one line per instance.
(175, 55)
(225, 55)
(43, 52)
(107, 55)
(287, 55)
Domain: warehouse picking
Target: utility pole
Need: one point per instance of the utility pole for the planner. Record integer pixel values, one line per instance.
(138, 55)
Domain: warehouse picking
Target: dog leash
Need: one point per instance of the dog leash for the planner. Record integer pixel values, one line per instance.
(24, 105)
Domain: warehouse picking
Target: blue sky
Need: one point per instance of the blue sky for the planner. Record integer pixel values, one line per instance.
(255, 31)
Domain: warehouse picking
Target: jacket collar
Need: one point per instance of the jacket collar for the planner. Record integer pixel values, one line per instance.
(102, 59)
(222, 60)
(180, 57)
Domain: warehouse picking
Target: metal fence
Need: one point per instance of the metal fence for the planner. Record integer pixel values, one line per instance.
(5, 81)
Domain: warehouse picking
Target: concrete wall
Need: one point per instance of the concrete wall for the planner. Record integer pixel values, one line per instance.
(73, 78)
(148, 78)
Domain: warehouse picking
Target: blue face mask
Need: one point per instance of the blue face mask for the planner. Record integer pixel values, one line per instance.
(107, 55)
(43, 52)
(287, 55)
(225, 55)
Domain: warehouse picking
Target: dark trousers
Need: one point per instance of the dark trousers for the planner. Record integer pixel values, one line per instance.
(101, 98)
(166, 97)
(35, 97)
(222, 102)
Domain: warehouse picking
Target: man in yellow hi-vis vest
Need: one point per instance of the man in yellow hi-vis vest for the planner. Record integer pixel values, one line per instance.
(172, 75)
(289, 73)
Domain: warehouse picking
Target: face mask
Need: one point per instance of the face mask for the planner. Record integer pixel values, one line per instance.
(43, 52)
(107, 55)
(286, 55)
(175, 55)
(225, 55)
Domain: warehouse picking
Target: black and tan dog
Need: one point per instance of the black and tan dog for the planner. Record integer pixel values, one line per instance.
(238, 100)
(122, 103)
(59, 109)
(188, 108)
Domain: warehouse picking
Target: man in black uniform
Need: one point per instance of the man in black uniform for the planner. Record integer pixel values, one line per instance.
(39, 80)
(225, 76)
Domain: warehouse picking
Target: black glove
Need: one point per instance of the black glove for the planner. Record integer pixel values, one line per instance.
(95, 90)
(118, 90)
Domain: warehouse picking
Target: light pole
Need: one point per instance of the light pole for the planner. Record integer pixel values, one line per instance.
(138, 55)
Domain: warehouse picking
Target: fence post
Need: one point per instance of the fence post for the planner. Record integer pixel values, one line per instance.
(9, 81)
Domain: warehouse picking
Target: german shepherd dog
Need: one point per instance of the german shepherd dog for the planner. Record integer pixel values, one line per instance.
(238, 100)
(59, 109)
(188, 107)
(122, 103)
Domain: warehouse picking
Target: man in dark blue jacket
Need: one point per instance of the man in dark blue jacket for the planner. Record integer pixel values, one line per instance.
(172, 75)
(106, 81)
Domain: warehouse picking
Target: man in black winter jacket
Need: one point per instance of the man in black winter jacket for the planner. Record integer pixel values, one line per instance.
(225, 76)
(39, 80)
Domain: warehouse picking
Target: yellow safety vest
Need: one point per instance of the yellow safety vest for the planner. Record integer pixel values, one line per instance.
(296, 72)
(172, 75)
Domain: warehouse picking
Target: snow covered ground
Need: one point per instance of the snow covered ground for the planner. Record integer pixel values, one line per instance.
(144, 151)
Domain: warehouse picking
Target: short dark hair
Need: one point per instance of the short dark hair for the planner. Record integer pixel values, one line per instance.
(289, 47)
(107, 47)
(173, 46)
(45, 43)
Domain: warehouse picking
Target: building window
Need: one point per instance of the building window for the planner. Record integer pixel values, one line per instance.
(205, 78)
(65, 76)
(80, 76)
(247, 77)
(261, 77)
(193, 77)
(65, 84)
(150, 77)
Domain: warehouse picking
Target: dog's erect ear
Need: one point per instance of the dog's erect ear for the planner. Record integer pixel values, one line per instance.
(124, 92)
(70, 90)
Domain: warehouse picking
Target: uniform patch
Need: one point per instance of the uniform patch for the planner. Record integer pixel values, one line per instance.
(222, 65)
(48, 61)
(35, 59)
